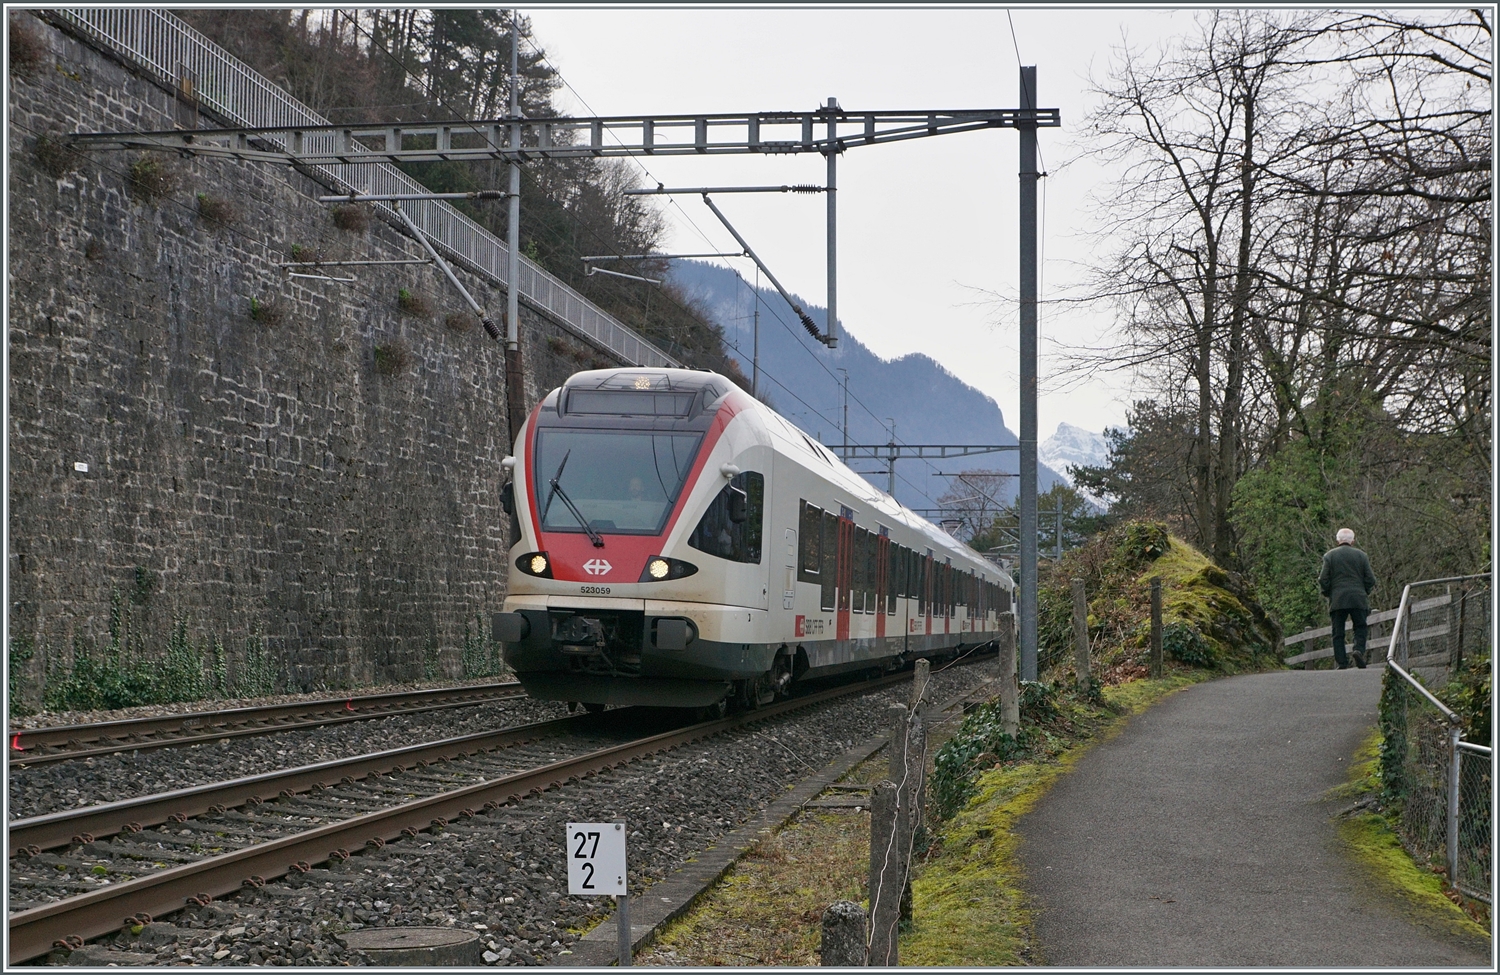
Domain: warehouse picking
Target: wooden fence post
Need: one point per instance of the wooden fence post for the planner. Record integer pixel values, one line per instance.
(886, 868)
(843, 943)
(1080, 637)
(1156, 662)
(1010, 689)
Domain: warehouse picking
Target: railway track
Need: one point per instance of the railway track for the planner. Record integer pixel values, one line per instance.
(40, 746)
(309, 821)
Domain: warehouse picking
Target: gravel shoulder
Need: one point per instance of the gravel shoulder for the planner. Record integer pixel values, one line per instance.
(1223, 847)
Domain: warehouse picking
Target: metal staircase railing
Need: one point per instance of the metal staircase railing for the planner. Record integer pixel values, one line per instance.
(183, 59)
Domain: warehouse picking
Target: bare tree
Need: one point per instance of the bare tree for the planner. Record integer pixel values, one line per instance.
(1300, 262)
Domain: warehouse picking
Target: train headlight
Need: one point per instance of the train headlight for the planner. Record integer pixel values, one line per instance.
(535, 564)
(659, 568)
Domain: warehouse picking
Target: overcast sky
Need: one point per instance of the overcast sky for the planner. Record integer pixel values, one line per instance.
(927, 237)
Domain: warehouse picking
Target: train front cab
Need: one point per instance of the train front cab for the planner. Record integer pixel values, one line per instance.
(662, 598)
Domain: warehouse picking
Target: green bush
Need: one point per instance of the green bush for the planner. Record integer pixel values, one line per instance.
(1183, 643)
(1393, 701)
(979, 743)
(20, 651)
(1145, 541)
(1038, 703)
(257, 676)
(151, 179)
(125, 673)
(481, 654)
(392, 358)
(266, 312)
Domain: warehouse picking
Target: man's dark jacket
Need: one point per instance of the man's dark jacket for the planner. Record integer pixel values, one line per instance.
(1346, 578)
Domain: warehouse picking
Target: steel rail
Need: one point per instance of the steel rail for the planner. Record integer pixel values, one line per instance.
(88, 823)
(33, 932)
(126, 734)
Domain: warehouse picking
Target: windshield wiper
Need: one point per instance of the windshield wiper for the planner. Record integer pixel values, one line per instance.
(558, 492)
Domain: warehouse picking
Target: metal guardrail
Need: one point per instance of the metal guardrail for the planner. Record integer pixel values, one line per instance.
(185, 60)
(1443, 784)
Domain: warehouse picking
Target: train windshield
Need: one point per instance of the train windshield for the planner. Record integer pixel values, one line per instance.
(620, 481)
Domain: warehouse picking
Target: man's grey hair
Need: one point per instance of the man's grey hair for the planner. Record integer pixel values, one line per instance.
(1345, 536)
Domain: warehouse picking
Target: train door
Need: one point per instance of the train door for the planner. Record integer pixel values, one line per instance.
(928, 578)
(882, 569)
(947, 571)
(845, 569)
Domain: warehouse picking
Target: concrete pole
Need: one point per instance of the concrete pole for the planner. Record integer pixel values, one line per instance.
(885, 875)
(921, 674)
(1080, 636)
(843, 944)
(1028, 288)
(832, 328)
(896, 718)
(515, 393)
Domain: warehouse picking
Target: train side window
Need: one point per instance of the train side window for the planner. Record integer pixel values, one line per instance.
(871, 576)
(810, 544)
(829, 546)
(921, 586)
(718, 534)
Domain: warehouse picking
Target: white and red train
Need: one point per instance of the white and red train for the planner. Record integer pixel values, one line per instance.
(681, 544)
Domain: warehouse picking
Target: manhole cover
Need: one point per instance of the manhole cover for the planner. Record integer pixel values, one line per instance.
(415, 946)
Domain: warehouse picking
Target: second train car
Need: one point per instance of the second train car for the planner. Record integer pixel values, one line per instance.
(681, 544)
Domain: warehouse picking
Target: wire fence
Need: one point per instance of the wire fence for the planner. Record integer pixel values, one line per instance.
(203, 73)
(1438, 785)
(1476, 779)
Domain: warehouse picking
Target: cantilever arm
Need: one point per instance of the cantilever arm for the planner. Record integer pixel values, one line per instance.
(807, 323)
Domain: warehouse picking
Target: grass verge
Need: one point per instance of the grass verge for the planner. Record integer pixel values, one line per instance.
(969, 906)
(768, 910)
(967, 894)
(1377, 852)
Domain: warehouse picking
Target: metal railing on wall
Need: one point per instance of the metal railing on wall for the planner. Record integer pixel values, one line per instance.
(1440, 785)
(184, 60)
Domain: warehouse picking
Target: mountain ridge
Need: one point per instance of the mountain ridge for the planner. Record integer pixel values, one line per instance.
(800, 378)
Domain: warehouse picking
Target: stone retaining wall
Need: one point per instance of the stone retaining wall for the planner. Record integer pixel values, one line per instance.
(322, 473)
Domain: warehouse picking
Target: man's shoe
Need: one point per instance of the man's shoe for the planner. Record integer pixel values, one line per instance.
(1359, 661)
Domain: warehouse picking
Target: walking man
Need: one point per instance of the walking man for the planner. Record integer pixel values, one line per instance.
(1346, 581)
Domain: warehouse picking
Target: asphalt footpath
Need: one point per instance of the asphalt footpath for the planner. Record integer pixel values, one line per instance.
(1202, 836)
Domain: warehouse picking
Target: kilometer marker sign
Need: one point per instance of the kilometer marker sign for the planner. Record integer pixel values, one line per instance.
(596, 858)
